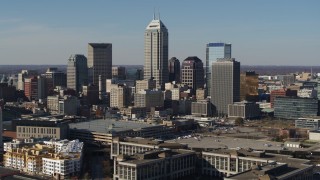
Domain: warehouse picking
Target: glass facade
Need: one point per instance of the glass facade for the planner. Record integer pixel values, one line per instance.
(295, 107)
(214, 51)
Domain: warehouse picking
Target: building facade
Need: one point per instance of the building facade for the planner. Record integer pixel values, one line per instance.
(145, 84)
(156, 49)
(244, 109)
(157, 164)
(225, 78)
(202, 108)
(213, 52)
(77, 72)
(99, 63)
(174, 70)
(192, 73)
(119, 72)
(312, 123)
(249, 84)
(119, 96)
(149, 98)
(31, 88)
(295, 107)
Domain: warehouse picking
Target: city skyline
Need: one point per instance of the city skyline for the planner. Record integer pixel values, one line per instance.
(262, 33)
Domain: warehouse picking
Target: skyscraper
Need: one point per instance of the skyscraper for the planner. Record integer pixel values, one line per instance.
(99, 63)
(214, 51)
(193, 73)
(225, 79)
(156, 52)
(77, 72)
(174, 70)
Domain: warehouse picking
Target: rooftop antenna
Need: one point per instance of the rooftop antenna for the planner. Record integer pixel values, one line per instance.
(158, 14)
(154, 13)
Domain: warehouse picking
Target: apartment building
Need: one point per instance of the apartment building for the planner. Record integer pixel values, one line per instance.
(43, 158)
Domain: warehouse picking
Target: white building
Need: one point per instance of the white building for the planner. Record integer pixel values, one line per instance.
(307, 93)
(53, 158)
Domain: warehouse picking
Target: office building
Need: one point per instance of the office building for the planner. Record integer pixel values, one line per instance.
(119, 96)
(225, 78)
(119, 72)
(231, 164)
(156, 164)
(201, 108)
(40, 128)
(99, 63)
(55, 78)
(139, 74)
(67, 105)
(31, 88)
(145, 84)
(295, 107)
(7, 93)
(25, 74)
(281, 92)
(244, 109)
(312, 123)
(213, 52)
(149, 98)
(103, 131)
(156, 42)
(77, 72)
(91, 94)
(249, 84)
(174, 70)
(192, 73)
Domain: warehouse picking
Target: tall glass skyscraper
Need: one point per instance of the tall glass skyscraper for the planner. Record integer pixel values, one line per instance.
(214, 51)
(156, 52)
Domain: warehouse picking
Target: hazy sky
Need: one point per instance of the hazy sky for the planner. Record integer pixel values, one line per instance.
(273, 32)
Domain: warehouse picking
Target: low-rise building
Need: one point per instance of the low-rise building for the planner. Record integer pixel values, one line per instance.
(312, 123)
(244, 109)
(44, 158)
(232, 164)
(40, 128)
(156, 164)
(314, 135)
(202, 108)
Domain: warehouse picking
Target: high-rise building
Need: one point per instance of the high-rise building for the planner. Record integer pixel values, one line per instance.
(225, 80)
(119, 73)
(193, 73)
(77, 72)
(99, 63)
(148, 98)
(24, 74)
(145, 84)
(156, 52)
(31, 88)
(174, 70)
(55, 78)
(213, 52)
(119, 96)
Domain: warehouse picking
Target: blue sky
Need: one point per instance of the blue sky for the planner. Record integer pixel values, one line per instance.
(273, 32)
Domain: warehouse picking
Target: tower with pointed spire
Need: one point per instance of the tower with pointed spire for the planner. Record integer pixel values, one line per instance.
(156, 52)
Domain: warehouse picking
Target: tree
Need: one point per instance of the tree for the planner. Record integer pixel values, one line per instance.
(239, 121)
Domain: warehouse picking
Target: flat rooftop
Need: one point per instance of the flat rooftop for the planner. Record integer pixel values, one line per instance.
(108, 125)
(216, 142)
